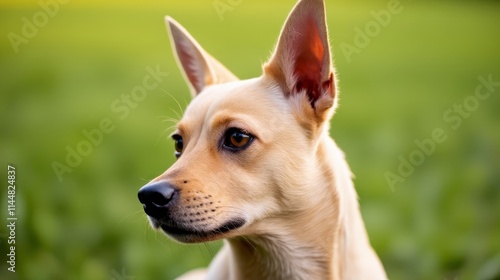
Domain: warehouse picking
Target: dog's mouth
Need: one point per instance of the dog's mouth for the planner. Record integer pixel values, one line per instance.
(189, 235)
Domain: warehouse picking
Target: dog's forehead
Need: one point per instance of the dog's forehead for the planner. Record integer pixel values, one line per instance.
(241, 97)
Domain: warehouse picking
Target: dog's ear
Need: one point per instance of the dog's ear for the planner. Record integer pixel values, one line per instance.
(200, 69)
(301, 61)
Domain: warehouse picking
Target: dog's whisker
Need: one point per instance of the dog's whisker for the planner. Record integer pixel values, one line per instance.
(166, 131)
(138, 212)
(145, 180)
(165, 117)
(249, 243)
(172, 120)
(209, 250)
(177, 102)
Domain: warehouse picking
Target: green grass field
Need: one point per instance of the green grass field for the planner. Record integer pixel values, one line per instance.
(440, 222)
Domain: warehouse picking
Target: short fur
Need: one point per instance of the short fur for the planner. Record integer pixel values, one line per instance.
(291, 188)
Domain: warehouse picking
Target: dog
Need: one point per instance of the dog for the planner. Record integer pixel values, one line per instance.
(256, 165)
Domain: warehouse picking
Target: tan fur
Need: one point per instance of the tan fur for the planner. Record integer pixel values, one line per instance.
(292, 186)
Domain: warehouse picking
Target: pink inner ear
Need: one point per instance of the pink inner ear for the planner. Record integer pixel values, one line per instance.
(309, 60)
(191, 64)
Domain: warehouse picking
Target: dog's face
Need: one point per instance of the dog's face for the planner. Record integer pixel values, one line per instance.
(246, 149)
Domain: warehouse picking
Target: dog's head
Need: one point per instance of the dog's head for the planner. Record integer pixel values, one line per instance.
(247, 150)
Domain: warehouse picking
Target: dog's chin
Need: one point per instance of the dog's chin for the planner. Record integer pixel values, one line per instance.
(188, 234)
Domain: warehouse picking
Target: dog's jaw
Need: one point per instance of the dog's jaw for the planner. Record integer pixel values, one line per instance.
(186, 235)
(190, 234)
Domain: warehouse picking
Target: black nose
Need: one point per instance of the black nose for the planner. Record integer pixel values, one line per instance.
(156, 197)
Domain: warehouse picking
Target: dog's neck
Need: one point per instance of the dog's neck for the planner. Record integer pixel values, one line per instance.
(278, 257)
(310, 245)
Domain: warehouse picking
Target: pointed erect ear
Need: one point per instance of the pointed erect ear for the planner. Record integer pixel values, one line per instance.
(301, 61)
(200, 69)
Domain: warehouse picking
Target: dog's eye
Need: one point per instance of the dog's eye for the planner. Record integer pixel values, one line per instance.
(179, 144)
(236, 139)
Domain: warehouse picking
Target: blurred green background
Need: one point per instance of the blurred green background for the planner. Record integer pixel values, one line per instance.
(442, 222)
